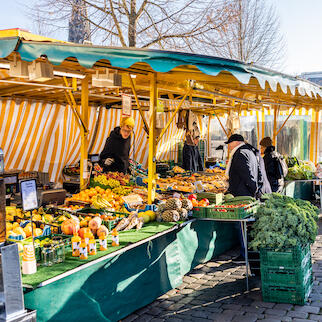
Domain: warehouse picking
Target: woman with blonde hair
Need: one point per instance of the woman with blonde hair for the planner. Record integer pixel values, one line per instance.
(115, 155)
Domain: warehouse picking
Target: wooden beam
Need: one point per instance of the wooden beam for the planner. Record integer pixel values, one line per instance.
(280, 129)
(173, 115)
(152, 139)
(146, 127)
(84, 135)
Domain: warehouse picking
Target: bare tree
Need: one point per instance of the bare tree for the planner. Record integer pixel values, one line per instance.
(253, 36)
(183, 24)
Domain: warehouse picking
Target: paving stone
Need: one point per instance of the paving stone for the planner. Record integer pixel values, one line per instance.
(298, 314)
(286, 319)
(188, 279)
(267, 305)
(172, 292)
(187, 291)
(155, 311)
(157, 320)
(196, 275)
(144, 318)
(283, 306)
(174, 319)
(317, 303)
(271, 318)
(316, 317)
(250, 317)
(307, 308)
(130, 318)
(175, 307)
(252, 309)
(201, 281)
(302, 320)
(275, 312)
(142, 310)
(164, 296)
(200, 314)
(234, 307)
(165, 304)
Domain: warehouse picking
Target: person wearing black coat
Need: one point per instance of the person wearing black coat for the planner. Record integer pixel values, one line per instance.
(115, 155)
(271, 164)
(242, 168)
(191, 159)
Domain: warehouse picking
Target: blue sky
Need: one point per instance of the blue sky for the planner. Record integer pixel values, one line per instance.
(301, 23)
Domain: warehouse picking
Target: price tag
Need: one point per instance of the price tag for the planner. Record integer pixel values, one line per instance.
(29, 197)
(126, 105)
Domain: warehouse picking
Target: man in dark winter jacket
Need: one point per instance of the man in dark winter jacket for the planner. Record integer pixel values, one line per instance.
(115, 155)
(272, 164)
(242, 168)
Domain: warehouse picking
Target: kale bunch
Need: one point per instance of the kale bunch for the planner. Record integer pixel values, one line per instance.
(283, 222)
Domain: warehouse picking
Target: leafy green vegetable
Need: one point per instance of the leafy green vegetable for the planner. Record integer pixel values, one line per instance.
(283, 222)
(302, 170)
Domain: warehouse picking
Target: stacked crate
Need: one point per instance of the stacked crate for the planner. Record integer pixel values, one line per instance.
(286, 275)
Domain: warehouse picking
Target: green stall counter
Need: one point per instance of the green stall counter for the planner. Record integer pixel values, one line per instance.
(113, 286)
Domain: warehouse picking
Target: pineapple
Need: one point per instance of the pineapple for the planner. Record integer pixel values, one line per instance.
(183, 214)
(158, 217)
(170, 215)
(161, 207)
(173, 204)
(186, 204)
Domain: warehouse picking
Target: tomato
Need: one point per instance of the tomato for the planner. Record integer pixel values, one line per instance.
(192, 196)
(206, 201)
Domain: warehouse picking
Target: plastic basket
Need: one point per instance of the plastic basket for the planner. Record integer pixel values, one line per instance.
(287, 258)
(283, 294)
(224, 212)
(199, 212)
(286, 276)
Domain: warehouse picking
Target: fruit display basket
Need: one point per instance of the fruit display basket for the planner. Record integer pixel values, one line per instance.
(232, 211)
(287, 258)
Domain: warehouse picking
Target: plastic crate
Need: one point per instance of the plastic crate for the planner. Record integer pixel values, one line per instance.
(199, 212)
(288, 258)
(283, 294)
(222, 212)
(286, 276)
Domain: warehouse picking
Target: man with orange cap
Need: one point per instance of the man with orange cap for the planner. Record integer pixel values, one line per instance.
(115, 155)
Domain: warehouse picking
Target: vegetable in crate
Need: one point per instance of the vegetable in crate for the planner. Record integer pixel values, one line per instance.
(284, 222)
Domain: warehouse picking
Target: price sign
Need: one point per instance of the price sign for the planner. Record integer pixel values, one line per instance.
(29, 197)
(126, 105)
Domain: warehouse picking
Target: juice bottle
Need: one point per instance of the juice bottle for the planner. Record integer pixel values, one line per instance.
(103, 241)
(83, 253)
(76, 240)
(92, 246)
(87, 236)
(115, 238)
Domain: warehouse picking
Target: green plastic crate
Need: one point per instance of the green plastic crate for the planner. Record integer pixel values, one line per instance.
(287, 294)
(287, 258)
(286, 277)
(199, 212)
(222, 212)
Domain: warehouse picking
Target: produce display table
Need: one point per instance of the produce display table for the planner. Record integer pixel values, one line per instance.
(112, 286)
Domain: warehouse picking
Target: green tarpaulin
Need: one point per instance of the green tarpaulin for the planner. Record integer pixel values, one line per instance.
(113, 288)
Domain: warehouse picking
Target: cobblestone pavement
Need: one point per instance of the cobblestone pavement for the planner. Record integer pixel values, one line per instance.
(215, 291)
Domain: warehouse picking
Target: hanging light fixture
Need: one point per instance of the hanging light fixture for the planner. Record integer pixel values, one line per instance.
(107, 79)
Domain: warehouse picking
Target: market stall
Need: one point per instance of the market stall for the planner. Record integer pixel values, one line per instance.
(81, 80)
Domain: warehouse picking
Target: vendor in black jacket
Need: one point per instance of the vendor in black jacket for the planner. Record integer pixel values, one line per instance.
(242, 168)
(272, 165)
(115, 155)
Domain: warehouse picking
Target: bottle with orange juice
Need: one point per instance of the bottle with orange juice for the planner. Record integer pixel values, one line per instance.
(92, 246)
(115, 238)
(103, 241)
(83, 253)
(76, 240)
(87, 236)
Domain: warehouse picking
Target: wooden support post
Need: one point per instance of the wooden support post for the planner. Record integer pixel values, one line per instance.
(152, 139)
(84, 134)
(2, 211)
(208, 135)
(313, 136)
(276, 112)
(317, 136)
